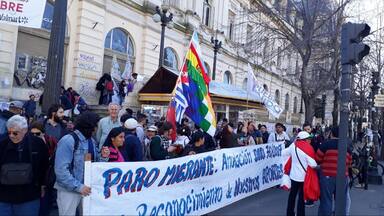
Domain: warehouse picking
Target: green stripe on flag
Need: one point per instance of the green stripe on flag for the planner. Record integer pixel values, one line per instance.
(203, 109)
(205, 125)
(196, 76)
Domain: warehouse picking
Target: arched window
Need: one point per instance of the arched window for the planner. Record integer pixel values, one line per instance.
(277, 96)
(287, 102)
(295, 105)
(170, 58)
(118, 40)
(245, 83)
(208, 70)
(265, 87)
(118, 43)
(228, 77)
(207, 13)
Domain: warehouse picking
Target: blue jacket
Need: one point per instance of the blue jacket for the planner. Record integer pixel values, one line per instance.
(72, 179)
(30, 108)
(132, 149)
(65, 102)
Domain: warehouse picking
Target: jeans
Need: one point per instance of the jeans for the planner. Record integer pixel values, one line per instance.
(30, 208)
(296, 188)
(47, 201)
(327, 195)
(68, 202)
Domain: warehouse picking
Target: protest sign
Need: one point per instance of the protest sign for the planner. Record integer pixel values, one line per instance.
(191, 185)
(254, 88)
(28, 13)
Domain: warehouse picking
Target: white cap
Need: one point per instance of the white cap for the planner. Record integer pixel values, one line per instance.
(303, 135)
(130, 124)
(152, 128)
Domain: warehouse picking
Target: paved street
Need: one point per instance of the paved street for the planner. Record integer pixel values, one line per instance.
(274, 202)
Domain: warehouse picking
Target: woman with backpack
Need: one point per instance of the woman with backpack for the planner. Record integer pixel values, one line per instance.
(114, 141)
(160, 146)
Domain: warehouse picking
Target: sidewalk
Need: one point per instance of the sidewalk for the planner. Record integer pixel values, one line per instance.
(274, 202)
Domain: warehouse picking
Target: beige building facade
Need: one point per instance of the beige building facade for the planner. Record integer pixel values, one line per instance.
(98, 30)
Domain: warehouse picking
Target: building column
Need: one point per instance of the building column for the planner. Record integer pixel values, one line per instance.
(8, 43)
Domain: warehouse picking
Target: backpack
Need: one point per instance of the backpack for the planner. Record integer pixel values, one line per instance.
(109, 86)
(99, 86)
(50, 178)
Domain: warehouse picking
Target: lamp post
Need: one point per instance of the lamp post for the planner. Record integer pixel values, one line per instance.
(216, 46)
(374, 117)
(55, 56)
(165, 18)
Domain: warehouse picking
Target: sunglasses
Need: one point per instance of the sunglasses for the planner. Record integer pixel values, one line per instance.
(14, 133)
(36, 134)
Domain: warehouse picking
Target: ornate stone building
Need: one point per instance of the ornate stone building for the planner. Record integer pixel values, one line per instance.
(98, 30)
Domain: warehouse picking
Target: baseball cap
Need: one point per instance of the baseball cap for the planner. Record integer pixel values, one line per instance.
(131, 124)
(152, 128)
(304, 135)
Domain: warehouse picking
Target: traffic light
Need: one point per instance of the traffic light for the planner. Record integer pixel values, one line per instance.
(353, 50)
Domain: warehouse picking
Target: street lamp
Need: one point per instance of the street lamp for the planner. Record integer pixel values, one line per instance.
(55, 56)
(165, 18)
(216, 46)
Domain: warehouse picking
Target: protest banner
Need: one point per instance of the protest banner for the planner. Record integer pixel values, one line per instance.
(191, 185)
(254, 88)
(28, 13)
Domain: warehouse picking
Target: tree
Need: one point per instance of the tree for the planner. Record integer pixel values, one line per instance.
(360, 94)
(312, 29)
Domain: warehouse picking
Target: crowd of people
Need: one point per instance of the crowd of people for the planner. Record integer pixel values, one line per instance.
(316, 151)
(46, 156)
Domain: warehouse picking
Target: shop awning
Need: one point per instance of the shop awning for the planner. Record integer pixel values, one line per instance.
(229, 91)
(158, 90)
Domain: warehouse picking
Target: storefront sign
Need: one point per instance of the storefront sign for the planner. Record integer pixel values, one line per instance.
(191, 185)
(28, 13)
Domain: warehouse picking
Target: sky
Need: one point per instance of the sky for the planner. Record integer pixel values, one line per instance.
(369, 11)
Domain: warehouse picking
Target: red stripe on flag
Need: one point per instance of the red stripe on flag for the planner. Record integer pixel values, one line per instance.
(200, 64)
(171, 118)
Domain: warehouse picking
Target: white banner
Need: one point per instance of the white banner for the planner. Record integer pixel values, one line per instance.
(28, 13)
(191, 185)
(254, 88)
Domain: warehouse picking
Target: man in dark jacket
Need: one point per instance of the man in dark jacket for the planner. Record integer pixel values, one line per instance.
(26, 157)
(30, 107)
(54, 125)
(132, 149)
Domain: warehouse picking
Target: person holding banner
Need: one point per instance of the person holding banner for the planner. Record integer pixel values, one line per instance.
(114, 141)
(72, 151)
(301, 159)
(196, 144)
(160, 146)
(279, 135)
